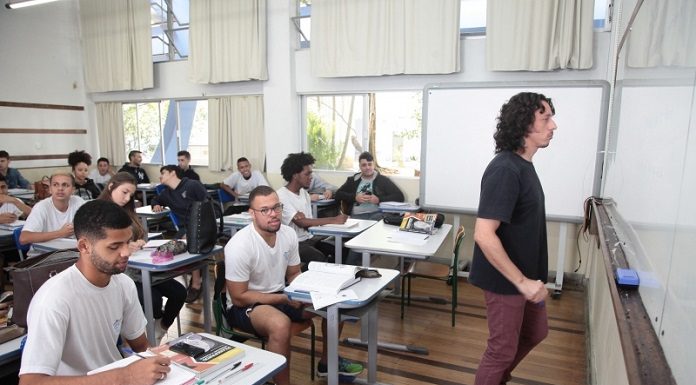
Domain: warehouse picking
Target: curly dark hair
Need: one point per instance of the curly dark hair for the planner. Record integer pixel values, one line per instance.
(516, 116)
(76, 157)
(294, 164)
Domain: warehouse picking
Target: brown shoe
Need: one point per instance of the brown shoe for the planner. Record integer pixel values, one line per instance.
(192, 294)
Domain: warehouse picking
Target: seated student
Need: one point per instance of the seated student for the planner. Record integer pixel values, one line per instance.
(85, 188)
(12, 176)
(320, 189)
(102, 173)
(135, 159)
(241, 182)
(184, 160)
(76, 317)
(178, 196)
(11, 208)
(52, 217)
(363, 191)
(120, 190)
(259, 259)
(297, 207)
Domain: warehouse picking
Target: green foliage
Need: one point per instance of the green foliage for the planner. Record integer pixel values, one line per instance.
(321, 144)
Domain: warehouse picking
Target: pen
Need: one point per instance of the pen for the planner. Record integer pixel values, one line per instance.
(235, 371)
(235, 366)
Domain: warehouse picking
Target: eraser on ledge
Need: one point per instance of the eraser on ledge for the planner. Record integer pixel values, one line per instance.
(627, 277)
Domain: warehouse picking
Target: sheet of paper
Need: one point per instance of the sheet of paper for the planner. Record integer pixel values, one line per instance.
(348, 224)
(176, 376)
(154, 243)
(322, 300)
(408, 237)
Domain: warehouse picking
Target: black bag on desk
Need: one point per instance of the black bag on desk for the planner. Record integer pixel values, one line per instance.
(202, 229)
(30, 274)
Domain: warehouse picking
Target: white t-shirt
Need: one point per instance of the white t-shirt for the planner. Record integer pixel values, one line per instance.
(244, 186)
(74, 325)
(98, 178)
(10, 208)
(248, 258)
(292, 204)
(46, 217)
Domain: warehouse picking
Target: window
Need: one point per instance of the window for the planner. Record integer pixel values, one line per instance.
(472, 18)
(170, 29)
(388, 124)
(160, 129)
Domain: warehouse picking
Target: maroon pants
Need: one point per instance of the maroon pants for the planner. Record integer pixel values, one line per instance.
(515, 326)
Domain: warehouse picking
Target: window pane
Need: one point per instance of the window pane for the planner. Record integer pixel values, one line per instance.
(472, 16)
(193, 118)
(130, 126)
(169, 29)
(335, 130)
(398, 131)
(150, 121)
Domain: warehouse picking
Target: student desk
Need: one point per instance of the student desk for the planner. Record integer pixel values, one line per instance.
(182, 263)
(10, 356)
(321, 203)
(235, 222)
(377, 240)
(55, 244)
(145, 213)
(146, 188)
(21, 193)
(339, 232)
(266, 364)
(369, 292)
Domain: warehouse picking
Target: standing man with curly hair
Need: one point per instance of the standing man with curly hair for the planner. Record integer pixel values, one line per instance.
(510, 255)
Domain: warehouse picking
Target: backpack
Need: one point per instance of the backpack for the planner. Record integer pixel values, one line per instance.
(203, 228)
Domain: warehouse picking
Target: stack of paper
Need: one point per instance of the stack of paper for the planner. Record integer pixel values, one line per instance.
(404, 206)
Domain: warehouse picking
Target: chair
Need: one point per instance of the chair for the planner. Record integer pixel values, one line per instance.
(224, 197)
(435, 270)
(221, 326)
(21, 249)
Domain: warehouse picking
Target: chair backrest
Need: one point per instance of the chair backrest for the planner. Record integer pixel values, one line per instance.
(21, 249)
(224, 196)
(458, 239)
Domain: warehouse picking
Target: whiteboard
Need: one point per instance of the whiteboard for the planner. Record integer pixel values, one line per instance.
(458, 124)
(651, 176)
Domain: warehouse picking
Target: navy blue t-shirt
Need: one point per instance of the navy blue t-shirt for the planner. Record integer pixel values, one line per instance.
(511, 193)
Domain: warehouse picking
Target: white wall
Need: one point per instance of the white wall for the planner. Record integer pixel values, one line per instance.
(41, 63)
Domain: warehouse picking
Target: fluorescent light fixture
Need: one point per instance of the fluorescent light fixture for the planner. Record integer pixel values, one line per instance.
(27, 3)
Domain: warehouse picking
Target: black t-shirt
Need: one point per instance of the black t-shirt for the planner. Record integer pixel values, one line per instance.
(511, 193)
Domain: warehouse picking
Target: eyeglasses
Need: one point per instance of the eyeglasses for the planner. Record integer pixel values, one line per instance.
(267, 210)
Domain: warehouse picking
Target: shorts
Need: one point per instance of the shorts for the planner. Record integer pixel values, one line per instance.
(238, 318)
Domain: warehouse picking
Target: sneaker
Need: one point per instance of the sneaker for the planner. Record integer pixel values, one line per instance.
(345, 368)
(192, 294)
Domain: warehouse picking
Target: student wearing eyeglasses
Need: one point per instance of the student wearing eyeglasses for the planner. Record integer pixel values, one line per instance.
(297, 208)
(259, 259)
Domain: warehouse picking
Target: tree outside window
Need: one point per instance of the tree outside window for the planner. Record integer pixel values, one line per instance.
(388, 124)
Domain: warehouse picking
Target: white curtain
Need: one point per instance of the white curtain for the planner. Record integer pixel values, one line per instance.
(117, 44)
(663, 34)
(235, 129)
(384, 37)
(539, 35)
(227, 40)
(112, 142)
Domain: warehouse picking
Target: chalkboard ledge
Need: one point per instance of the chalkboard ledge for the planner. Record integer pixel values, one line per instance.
(645, 360)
